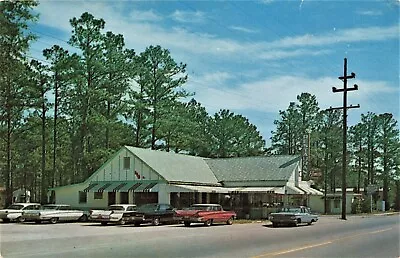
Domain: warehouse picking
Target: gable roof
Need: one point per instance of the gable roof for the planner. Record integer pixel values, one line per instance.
(274, 168)
(175, 167)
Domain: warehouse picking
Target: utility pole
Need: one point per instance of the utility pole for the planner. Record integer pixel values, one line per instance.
(344, 78)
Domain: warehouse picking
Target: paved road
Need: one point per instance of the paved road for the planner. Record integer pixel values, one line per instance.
(374, 236)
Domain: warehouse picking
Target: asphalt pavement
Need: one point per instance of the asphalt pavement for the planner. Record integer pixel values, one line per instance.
(361, 236)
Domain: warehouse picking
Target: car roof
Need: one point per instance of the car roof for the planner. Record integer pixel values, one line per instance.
(58, 205)
(205, 204)
(122, 205)
(25, 203)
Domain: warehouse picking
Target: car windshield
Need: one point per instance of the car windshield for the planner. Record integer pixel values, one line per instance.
(15, 207)
(290, 210)
(200, 207)
(116, 208)
(50, 207)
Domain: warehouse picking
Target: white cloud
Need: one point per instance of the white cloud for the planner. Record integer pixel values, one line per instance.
(243, 29)
(149, 16)
(274, 94)
(370, 13)
(266, 1)
(280, 54)
(339, 36)
(139, 35)
(188, 16)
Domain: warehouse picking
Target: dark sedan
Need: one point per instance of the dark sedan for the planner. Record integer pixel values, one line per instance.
(153, 213)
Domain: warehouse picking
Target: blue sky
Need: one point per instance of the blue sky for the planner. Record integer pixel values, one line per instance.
(254, 57)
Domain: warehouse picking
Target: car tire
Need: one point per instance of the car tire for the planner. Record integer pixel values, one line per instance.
(20, 219)
(83, 218)
(186, 223)
(104, 223)
(121, 222)
(229, 221)
(53, 220)
(208, 223)
(155, 222)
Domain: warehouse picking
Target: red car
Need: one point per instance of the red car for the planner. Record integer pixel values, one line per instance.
(207, 214)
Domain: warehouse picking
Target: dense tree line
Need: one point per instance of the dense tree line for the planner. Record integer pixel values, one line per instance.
(373, 147)
(62, 117)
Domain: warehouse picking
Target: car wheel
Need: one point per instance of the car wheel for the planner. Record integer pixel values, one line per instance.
(83, 218)
(208, 223)
(121, 222)
(53, 220)
(229, 221)
(104, 223)
(187, 223)
(20, 219)
(155, 222)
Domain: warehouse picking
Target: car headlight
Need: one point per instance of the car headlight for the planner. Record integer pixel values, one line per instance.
(293, 217)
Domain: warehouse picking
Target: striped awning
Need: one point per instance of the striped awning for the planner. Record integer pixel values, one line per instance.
(119, 186)
(149, 187)
(90, 187)
(103, 187)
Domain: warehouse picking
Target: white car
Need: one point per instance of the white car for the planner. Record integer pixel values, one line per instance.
(293, 216)
(54, 213)
(113, 214)
(14, 211)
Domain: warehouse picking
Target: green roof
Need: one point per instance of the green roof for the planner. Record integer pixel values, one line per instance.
(175, 167)
(275, 168)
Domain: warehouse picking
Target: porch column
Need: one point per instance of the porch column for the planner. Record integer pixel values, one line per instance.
(117, 197)
(131, 200)
(163, 194)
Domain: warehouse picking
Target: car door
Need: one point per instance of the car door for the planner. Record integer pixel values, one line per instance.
(63, 213)
(304, 215)
(167, 212)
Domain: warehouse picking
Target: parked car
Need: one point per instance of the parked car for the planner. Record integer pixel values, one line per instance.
(153, 213)
(207, 214)
(14, 211)
(113, 214)
(54, 213)
(293, 216)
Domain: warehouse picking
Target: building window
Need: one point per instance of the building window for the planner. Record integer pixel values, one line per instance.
(98, 195)
(127, 162)
(82, 197)
(336, 204)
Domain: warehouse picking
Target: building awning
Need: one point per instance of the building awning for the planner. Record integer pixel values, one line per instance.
(97, 187)
(309, 190)
(272, 190)
(90, 187)
(289, 189)
(149, 187)
(198, 188)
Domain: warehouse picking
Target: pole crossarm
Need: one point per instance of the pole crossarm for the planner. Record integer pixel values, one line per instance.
(341, 108)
